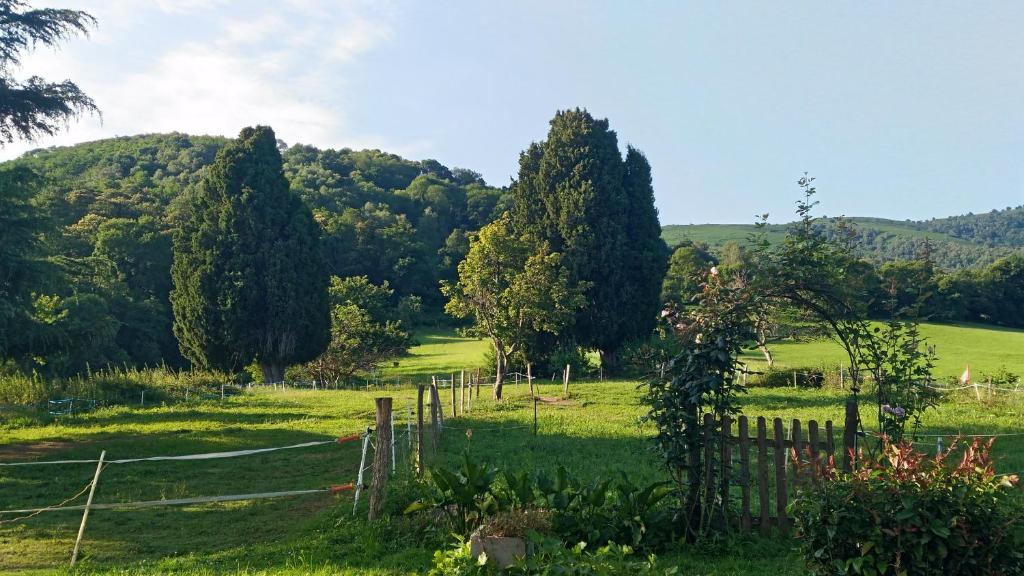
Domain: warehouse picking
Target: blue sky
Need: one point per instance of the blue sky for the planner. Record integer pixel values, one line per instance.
(900, 109)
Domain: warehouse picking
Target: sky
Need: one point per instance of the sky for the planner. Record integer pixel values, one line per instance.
(905, 110)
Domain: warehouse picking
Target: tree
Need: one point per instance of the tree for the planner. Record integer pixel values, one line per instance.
(645, 258)
(21, 253)
(512, 288)
(36, 107)
(575, 193)
(365, 330)
(249, 280)
(687, 268)
(703, 377)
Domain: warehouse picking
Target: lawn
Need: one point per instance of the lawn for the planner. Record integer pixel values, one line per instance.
(595, 434)
(985, 349)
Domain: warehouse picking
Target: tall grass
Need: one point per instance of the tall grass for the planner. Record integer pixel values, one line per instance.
(110, 386)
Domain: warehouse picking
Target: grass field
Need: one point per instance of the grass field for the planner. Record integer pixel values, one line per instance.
(716, 235)
(596, 433)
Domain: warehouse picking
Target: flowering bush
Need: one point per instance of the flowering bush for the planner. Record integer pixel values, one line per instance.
(906, 513)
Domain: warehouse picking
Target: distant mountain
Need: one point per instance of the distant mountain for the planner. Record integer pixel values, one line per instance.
(954, 243)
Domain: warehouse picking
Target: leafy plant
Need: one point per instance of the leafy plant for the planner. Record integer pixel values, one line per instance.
(900, 364)
(601, 512)
(550, 557)
(464, 496)
(904, 513)
(605, 511)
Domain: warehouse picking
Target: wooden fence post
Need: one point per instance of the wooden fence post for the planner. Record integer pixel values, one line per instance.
(812, 435)
(565, 381)
(534, 415)
(850, 435)
(762, 475)
(454, 412)
(88, 505)
(744, 433)
(830, 444)
(781, 492)
(462, 392)
(435, 422)
(529, 378)
(726, 454)
(709, 468)
(419, 430)
(798, 449)
(477, 396)
(381, 457)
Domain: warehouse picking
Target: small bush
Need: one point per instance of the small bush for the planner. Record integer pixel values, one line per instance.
(783, 377)
(549, 557)
(600, 513)
(909, 514)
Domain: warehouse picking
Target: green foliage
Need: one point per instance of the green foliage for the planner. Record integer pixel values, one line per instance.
(514, 290)
(78, 332)
(608, 511)
(908, 514)
(21, 229)
(111, 207)
(703, 377)
(549, 557)
(575, 193)
(600, 512)
(900, 365)
(249, 281)
(970, 241)
(36, 107)
(686, 270)
(110, 386)
(366, 329)
(466, 496)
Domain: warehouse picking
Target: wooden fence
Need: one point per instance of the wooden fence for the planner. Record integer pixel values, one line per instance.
(757, 468)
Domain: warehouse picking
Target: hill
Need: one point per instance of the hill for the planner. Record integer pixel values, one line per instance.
(111, 206)
(954, 243)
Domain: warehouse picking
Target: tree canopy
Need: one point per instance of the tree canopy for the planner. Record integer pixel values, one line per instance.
(577, 194)
(512, 288)
(35, 107)
(249, 279)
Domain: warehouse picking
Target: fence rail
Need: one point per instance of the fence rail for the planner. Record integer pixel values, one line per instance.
(754, 466)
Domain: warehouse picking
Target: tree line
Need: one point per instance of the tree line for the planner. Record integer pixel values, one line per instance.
(914, 289)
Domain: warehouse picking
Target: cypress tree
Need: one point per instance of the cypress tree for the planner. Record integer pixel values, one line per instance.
(575, 192)
(647, 254)
(249, 280)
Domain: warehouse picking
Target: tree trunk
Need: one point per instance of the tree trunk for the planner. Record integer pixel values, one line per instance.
(762, 345)
(273, 372)
(609, 362)
(499, 373)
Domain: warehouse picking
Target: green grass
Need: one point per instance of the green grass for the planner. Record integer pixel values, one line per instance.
(985, 348)
(595, 434)
(716, 235)
(437, 353)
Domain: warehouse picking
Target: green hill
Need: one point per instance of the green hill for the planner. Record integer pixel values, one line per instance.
(957, 242)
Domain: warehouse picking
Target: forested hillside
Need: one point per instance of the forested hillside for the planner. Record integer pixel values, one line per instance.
(954, 243)
(111, 207)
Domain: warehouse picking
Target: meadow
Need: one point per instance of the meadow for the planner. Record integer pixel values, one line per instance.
(595, 433)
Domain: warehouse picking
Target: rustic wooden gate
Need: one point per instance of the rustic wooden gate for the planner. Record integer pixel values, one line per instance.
(757, 466)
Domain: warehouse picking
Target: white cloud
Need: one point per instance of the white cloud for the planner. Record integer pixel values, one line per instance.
(201, 67)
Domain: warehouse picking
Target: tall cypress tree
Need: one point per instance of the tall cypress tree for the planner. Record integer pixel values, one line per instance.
(647, 255)
(249, 281)
(575, 192)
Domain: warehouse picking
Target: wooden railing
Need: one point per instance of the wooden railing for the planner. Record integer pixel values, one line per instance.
(757, 469)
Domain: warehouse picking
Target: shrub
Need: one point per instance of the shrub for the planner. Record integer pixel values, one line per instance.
(775, 377)
(549, 557)
(599, 513)
(905, 513)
